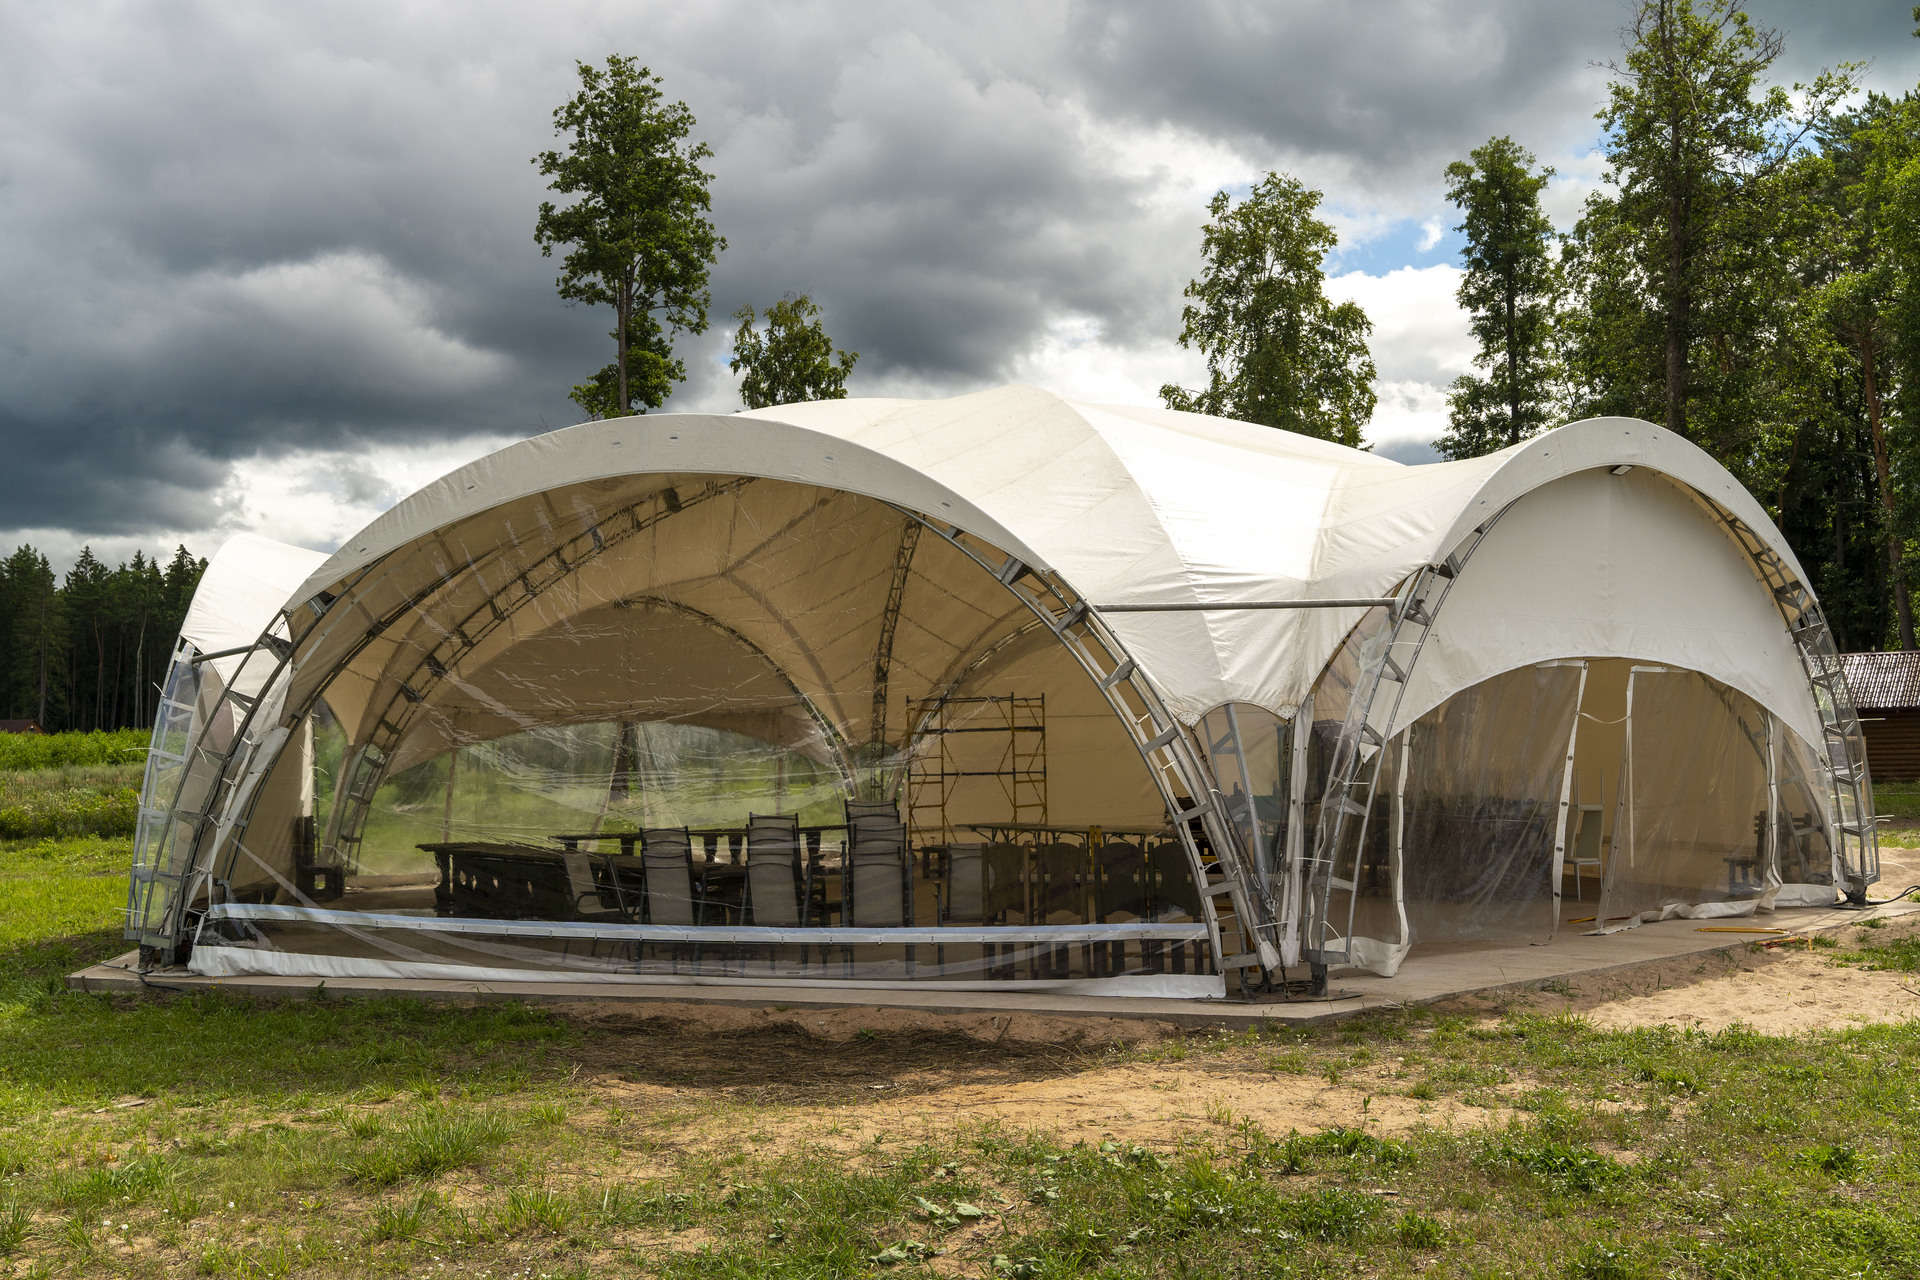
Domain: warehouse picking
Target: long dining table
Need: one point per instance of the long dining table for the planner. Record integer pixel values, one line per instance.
(709, 837)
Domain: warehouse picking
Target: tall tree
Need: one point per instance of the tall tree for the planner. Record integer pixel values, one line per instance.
(1279, 351)
(1695, 142)
(1860, 282)
(1509, 291)
(35, 669)
(792, 360)
(638, 235)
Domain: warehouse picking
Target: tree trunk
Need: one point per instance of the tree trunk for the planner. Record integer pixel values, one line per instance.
(624, 306)
(1903, 606)
(1513, 366)
(41, 714)
(1679, 317)
(1679, 297)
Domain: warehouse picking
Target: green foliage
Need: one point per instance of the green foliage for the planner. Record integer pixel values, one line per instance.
(1279, 352)
(792, 360)
(99, 800)
(1509, 290)
(105, 1185)
(529, 1210)
(20, 751)
(638, 238)
(1898, 955)
(1418, 1231)
(1597, 1261)
(651, 373)
(1686, 283)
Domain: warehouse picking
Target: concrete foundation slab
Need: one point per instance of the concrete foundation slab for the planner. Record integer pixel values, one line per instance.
(1431, 974)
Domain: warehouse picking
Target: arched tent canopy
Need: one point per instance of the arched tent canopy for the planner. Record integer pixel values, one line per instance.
(792, 577)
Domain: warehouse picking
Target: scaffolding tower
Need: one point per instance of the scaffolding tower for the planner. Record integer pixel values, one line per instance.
(956, 739)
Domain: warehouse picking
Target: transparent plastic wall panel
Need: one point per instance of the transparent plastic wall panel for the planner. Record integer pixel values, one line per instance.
(1362, 686)
(698, 656)
(1842, 765)
(201, 730)
(1250, 751)
(1482, 806)
(1695, 803)
(1167, 958)
(153, 877)
(1805, 860)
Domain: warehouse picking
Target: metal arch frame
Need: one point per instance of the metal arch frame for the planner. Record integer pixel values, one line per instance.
(230, 793)
(874, 749)
(1173, 759)
(1844, 749)
(1355, 769)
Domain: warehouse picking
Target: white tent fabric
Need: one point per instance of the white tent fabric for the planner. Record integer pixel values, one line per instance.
(1590, 565)
(1604, 539)
(1145, 506)
(244, 587)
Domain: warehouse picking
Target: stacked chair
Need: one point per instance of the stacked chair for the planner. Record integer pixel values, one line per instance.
(666, 860)
(984, 884)
(777, 889)
(877, 885)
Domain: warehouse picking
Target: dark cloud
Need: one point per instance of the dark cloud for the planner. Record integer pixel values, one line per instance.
(231, 232)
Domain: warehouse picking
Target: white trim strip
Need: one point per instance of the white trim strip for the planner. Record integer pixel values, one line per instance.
(1191, 931)
(248, 962)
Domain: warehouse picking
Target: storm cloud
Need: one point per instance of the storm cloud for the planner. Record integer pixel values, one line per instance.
(272, 266)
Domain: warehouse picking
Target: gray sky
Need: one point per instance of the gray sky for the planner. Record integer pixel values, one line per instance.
(271, 267)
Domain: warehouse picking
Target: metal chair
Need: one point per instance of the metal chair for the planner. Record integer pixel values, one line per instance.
(775, 882)
(1586, 845)
(588, 904)
(877, 888)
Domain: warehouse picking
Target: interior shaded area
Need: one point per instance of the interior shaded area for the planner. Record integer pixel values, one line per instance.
(741, 728)
(1587, 795)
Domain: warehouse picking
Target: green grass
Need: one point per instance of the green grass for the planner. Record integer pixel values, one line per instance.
(214, 1136)
(66, 750)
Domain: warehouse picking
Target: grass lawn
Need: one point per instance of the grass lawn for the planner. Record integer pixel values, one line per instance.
(209, 1136)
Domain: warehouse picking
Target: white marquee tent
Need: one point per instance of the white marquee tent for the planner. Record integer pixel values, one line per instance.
(1003, 689)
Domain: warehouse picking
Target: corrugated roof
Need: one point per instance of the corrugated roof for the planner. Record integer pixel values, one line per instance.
(1883, 680)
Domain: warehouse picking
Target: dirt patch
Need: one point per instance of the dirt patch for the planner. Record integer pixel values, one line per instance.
(811, 1055)
(1161, 1104)
(1778, 989)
